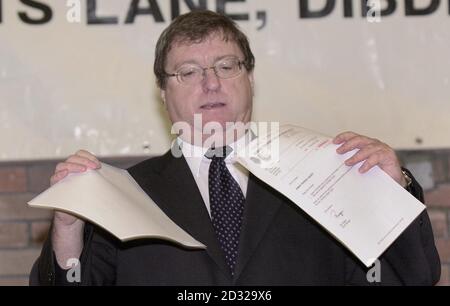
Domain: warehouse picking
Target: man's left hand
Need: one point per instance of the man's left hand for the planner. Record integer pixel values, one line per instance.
(373, 152)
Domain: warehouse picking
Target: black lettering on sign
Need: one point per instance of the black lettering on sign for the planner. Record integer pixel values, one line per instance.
(45, 9)
(348, 8)
(175, 4)
(261, 16)
(152, 9)
(306, 12)
(391, 6)
(221, 8)
(411, 10)
(92, 17)
(37, 12)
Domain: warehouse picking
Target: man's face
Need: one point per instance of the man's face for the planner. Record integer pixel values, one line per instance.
(219, 100)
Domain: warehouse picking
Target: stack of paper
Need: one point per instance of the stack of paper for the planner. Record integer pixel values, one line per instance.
(111, 198)
(365, 212)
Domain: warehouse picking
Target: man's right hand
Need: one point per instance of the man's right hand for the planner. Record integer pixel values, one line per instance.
(67, 234)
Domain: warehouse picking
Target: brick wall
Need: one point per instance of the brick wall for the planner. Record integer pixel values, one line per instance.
(432, 170)
(23, 229)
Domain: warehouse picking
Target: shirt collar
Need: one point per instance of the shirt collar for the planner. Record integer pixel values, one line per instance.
(194, 155)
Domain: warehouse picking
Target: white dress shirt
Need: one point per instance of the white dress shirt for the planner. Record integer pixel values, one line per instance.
(199, 165)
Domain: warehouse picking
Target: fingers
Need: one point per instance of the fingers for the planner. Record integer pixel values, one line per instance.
(71, 167)
(58, 176)
(370, 162)
(89, 156)
(340, 138)
(355, 142)
(385, 158)
(362, 154)
(64, 168)
(79, 162)
(372, 152)
(84, 161)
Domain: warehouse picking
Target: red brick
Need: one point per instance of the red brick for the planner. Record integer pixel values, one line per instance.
(13, 179)
(13, 234)
(445, 276)
(17, 262)
(438, 197)
(15, 207)
(448, 163)
(443, 247)
(39, 232)
(14, 281)
(439, 223)
(440, 169)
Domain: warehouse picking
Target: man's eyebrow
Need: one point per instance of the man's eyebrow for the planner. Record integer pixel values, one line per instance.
(188, 62)
(225, 56)
(194, 62)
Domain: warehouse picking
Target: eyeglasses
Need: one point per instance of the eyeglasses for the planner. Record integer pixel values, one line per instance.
(193, 74)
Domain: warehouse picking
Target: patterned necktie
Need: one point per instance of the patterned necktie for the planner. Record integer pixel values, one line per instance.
(227, 204)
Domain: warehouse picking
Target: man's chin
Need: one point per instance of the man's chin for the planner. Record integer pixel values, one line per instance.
(222, 132)
(215, 122)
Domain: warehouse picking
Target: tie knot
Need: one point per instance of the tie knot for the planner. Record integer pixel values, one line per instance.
(219, 153)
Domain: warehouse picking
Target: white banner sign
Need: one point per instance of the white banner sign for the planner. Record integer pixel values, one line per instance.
(78, 74)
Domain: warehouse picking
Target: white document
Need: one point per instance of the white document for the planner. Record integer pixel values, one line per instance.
(111, 198)
(365, 212)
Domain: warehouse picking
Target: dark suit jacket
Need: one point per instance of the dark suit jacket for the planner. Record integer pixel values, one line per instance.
(280, 244)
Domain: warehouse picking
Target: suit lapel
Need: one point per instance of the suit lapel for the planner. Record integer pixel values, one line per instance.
(175, 191)
(169, 182)
(261, 207)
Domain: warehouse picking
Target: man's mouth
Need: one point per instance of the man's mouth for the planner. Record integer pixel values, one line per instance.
(212, 105)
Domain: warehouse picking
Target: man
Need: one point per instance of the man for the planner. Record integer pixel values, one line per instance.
(204, 65)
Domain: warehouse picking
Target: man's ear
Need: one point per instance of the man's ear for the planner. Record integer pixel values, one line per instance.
(163, 96)
(252, 82)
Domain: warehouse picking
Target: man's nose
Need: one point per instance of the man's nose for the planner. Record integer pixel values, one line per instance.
(210, 80)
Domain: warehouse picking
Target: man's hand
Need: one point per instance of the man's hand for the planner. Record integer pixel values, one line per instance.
(373, 152)
(79, 162)
(67, 233)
